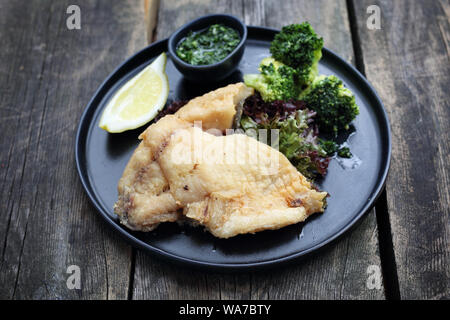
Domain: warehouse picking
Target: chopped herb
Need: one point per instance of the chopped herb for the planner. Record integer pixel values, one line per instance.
(344, 152)
(208, 46)
(329, 146)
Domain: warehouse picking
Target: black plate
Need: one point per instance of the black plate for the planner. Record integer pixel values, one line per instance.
(101, 158)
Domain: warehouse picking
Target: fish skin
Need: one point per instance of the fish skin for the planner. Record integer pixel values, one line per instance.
(144, 200)
(244, 196)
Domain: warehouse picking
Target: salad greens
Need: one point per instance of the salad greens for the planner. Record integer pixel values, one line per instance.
(297, 137)
(291, 97)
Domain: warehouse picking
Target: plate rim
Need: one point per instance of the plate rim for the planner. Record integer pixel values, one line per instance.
(137, 243)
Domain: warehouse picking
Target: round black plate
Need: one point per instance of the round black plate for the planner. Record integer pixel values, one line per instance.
(101, 158)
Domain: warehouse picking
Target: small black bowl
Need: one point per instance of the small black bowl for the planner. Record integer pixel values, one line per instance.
(218, 70)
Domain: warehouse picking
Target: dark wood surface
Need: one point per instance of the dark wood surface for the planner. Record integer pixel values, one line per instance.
(408, 63)
(48, 73)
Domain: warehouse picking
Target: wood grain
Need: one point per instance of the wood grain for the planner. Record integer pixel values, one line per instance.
(338, 272)
(47, 75)
(151, 8)
(408, 62)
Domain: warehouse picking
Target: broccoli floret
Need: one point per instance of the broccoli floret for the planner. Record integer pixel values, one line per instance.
(335, 105)
(275, 82)
(298, 46)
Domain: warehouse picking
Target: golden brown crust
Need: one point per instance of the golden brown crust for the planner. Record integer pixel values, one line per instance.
(217, 108)
(144, 199)
(245, 196)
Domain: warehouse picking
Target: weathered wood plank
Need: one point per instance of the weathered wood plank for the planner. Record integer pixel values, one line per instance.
(407, 60)
(151, 8)
(47, 76)
(337, 272)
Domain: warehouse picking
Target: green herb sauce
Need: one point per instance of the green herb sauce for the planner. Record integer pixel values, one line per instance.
(208, 46)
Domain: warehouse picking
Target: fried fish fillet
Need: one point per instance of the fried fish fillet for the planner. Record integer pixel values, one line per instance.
(216, 109)
(144, 199)
(230, 184)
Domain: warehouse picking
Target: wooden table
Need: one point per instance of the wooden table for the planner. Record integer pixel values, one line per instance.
(48, 73)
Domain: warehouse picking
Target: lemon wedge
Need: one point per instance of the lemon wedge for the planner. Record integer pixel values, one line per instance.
(139, 100)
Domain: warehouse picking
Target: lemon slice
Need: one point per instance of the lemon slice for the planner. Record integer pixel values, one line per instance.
(139, 100)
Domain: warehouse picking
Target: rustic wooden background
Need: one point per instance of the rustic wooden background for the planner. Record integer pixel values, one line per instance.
(48, 73)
